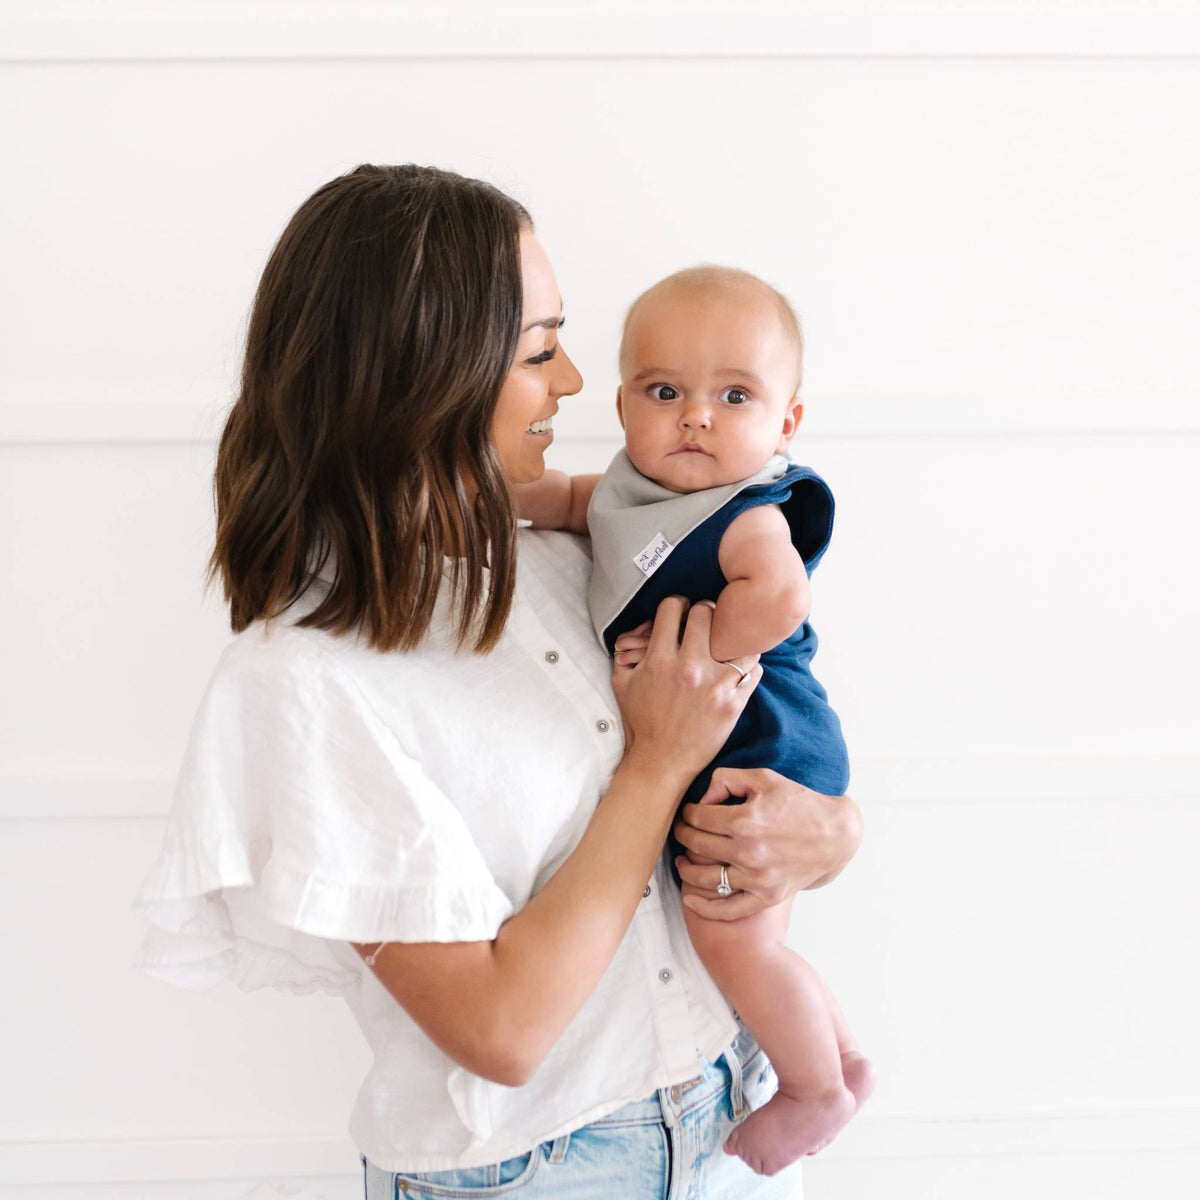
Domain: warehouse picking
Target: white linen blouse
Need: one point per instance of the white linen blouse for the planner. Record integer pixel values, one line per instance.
(331, 793)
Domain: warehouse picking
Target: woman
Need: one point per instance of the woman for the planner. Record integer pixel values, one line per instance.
(406, 782)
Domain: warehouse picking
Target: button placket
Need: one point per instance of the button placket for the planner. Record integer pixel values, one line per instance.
(673, 1020)
(567, 677)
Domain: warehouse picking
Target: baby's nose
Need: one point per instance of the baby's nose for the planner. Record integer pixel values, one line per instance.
(695, 416)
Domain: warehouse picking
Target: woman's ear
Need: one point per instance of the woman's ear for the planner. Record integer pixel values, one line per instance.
(791, 419)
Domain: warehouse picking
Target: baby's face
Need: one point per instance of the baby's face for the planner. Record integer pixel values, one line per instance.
(708, 386)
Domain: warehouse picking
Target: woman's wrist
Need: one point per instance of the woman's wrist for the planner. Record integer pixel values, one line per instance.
(655, 775)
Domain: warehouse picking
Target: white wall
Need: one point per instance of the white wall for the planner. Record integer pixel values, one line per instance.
(987, 221)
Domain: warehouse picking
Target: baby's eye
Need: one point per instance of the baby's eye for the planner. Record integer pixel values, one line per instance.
(664, 391)
(735, 395)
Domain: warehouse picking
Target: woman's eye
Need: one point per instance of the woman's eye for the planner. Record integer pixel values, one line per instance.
(735, 395)
(545, 356)
(664, 391)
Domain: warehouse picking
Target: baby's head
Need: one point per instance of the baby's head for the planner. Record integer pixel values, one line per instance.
(710, 376)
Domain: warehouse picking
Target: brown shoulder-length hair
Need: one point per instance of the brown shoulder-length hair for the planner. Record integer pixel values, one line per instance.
(384, 325)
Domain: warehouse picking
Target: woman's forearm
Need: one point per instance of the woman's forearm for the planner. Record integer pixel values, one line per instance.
(498, 1007)
(550, 957)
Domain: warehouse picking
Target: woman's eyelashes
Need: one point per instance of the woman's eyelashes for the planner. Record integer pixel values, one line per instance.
(547, 354)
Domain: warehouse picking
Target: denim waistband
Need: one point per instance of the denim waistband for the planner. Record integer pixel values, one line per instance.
(667, 1106)
(670, 1104)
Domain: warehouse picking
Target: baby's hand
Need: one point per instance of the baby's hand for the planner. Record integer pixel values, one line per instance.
(630, 648)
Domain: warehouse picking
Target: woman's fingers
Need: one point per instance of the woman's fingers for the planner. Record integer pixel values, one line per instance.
(779, 836)
(630, 648)
(729, 783)
(629, 640)
(705, 876)
(700, 890)
(702, 844)
(697, 630)
(724, 908)
(664, 636)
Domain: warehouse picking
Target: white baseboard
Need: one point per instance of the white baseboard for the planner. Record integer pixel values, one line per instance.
(933, 1136)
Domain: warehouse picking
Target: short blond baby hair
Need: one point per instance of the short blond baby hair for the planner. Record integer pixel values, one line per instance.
(710, 277)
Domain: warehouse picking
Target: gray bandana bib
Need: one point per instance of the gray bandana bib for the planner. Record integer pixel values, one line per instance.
(635, 523)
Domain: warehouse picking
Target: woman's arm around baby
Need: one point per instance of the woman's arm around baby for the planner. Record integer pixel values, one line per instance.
(497, 1007)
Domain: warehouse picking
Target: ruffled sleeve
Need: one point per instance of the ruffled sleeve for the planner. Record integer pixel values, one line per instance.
(300, 823)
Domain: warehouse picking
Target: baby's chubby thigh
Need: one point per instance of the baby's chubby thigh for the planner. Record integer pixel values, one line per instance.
(739, 953)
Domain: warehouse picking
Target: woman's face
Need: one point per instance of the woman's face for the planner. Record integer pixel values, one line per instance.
(540, 374)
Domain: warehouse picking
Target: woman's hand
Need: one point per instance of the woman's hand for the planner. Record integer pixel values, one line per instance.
(784, 838)
(677, 702)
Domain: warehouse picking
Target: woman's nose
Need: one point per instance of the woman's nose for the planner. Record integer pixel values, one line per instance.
(567, 379)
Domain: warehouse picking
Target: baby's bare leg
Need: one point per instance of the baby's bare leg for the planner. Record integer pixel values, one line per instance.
(858, 1072)
(789, 1010)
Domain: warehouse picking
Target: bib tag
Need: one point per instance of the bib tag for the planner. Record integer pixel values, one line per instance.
(653, 556)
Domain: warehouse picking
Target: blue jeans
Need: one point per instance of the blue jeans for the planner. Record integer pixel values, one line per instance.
(666, 1147)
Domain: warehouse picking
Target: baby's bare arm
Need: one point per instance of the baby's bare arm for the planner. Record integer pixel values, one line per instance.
(557, 501)
(767, 597)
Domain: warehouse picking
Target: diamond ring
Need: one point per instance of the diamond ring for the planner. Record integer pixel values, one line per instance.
(723, 888)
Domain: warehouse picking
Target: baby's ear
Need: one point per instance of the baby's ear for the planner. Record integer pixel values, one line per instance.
(791, 420)
(620, 413)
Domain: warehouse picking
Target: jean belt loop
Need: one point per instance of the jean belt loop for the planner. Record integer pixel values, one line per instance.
(737, 1097)
(558, 1148)
(377, 1183)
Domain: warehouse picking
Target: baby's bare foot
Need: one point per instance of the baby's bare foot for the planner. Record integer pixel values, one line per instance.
(787, 1128)
(859, 1076)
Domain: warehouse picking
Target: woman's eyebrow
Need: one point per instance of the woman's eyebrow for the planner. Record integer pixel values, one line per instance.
(544, 323)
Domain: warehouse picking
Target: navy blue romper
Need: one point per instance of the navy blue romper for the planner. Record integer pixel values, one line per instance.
(787, 724)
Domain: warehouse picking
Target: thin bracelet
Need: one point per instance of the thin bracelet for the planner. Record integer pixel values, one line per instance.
(370, 958)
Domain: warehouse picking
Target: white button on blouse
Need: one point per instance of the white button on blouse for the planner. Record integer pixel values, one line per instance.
(331, 794)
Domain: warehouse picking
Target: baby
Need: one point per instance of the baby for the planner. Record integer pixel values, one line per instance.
(703, 503)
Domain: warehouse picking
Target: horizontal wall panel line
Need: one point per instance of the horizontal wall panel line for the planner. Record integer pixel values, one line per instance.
(197, 32)
(129, 1161)
(46, 796)
(102, 422)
